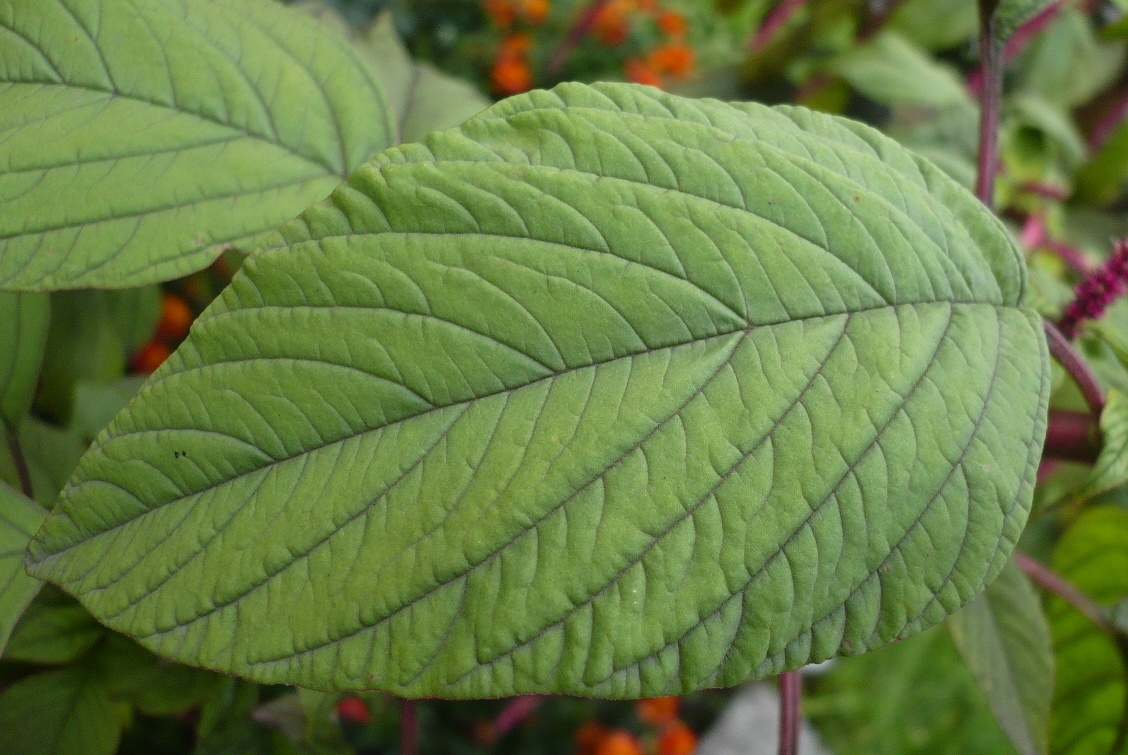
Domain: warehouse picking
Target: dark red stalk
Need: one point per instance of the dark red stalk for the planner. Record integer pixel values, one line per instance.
(1097, 291)
(1109, 121)
(516, 711)
(1055, 584)
(990, 107)
(776, 19)
(1075, 365)
(1046, 190)
(790, 702)
(1018, 42)
(20, 462)
(1072, 436)
(575, 35)
(409, 727)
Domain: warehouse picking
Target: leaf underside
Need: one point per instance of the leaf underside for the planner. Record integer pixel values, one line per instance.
(607, 392)
(139, 137)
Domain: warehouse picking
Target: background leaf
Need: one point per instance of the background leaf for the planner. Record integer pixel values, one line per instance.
(1089, 709)
(20, 517)
(142, 137)
(62, 712)
(23, 331)
(607, 392)
(891, 71)
(1005, 641)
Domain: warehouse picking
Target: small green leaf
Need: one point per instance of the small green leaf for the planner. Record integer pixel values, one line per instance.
(1005, 641)
(1090, 715)
(23, 332)
(20, 517)
(1111, 469)
(95, 404)
(892, 71)
(1066, 64)
(1009, 15)
(606, 392)
(63, 712)
(144, 136)
(51, 454)
(1102, 178)
(53, 629)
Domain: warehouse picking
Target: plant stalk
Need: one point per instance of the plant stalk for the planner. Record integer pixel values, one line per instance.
(790, 713)
(20, 462)
(1072, 436)
(1075, 365)
(409, 727)
(1055, 584)
(776, 19)
(990, 110)
(574, 36)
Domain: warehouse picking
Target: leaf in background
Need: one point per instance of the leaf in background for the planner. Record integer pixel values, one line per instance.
(422, 98)
(95, 404)
(143, 136)
(135, 314)
(948, 137)
(64, 712)
(1065, 146)
(155, 686)
(51, 454)
(1066, 64)
(1111, 469)
(23, 331)
(227, 727)
(54, 629)
(20, 517)
(1009, 15)
(308, 718)
(937, 26)
(1090, 714)
(1101, 180)
(1005, 641)
(912, 698)
(607, 392)
(892, 71)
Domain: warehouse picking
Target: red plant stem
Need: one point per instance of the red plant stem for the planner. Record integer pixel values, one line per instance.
(1070, 255)
(516, 711)
(1072, 436)
(572, 39)
(20, 462)
(990, 112)
(1075, 365)
(1109, 121)
(1055, 584)
(1046, 190)
(790, 701)
(409, 727)
(1018, 42)
(776, 19)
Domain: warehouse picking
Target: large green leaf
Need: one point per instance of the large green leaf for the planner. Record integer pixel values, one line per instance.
(139, 137)
(20, 517)
(606, 392)
(23, 331)
(1090, 708)
(1004, 638)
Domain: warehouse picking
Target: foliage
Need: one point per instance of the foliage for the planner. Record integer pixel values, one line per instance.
(602, 390)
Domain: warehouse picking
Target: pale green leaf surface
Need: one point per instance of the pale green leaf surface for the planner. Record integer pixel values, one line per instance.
(1005, 641)
(606, 392)
(64, 712)
(20, 517)
(1111, 469)
(139, 137)
(23, 334)
(1090, 708)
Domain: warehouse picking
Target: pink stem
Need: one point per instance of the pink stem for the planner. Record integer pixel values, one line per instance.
(575, 35)
(409, 727)
(1054, 583)
(990, 114)
(790, 702)
(516, 711)
(1071, 436)
(1075, 365)
(776, 19)
(1018, 41)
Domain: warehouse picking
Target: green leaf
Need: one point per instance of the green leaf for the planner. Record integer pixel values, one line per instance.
(1090, 715)
(1102, 178)
(51, 454)
(892, 71)
(23, 331)
(63, 712)
(20, 517)
(53, 629)
(95, 404)
(1011, 14)
(1111, 469)
(1005, 641)
(607, 392)
(937, 26)
(912, 698)
(135, 314)
(155, 686)
(144, 136)
(1066, 64)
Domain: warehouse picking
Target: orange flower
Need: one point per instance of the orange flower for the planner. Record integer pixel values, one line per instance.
(677, 739)
(671, 23)
(657, 711)
(150, 357)
(515, 46)
(641, 72)
(501, 12)
(511, 75)
(535, 11)
(619, 743)
(674, 59)
(176, 318)
(589, 737)
(611, 24)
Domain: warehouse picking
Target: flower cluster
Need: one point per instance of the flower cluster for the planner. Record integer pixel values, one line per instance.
(511, 72)
(1097, 291)
(666, 733)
